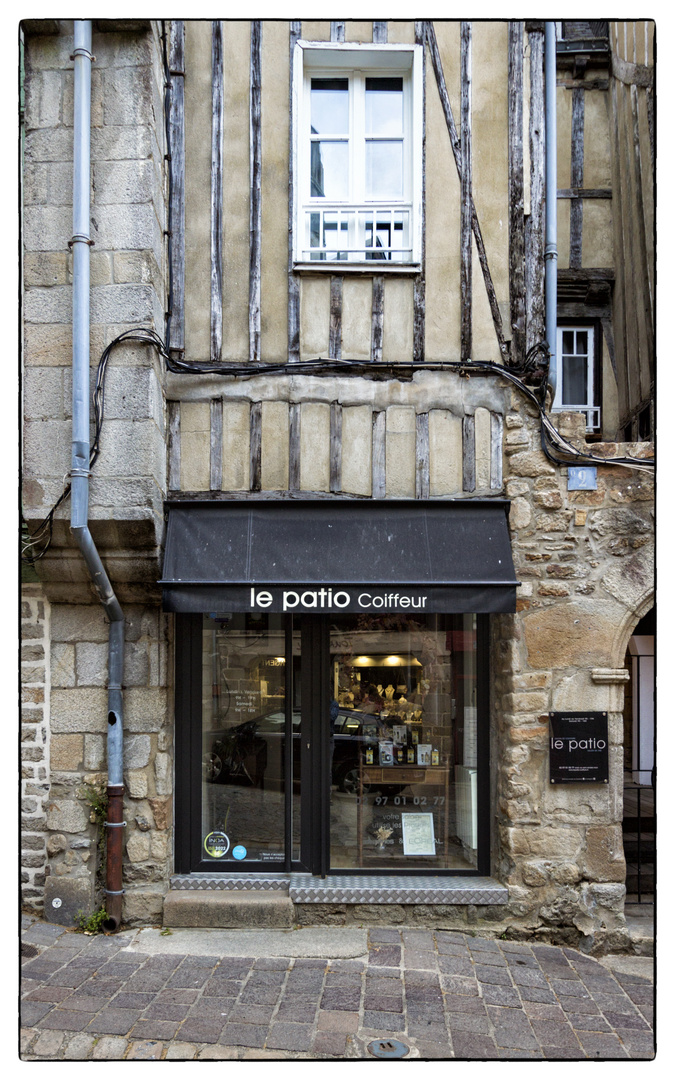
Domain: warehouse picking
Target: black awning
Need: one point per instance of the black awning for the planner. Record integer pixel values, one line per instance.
(337, 555)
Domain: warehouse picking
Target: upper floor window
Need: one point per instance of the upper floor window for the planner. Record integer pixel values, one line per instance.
(358, 154)
(575, 391)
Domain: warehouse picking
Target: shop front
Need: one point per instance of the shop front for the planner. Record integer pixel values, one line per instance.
(333, 686)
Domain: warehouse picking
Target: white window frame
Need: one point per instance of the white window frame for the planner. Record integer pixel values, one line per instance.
(589, 406)
(356, 62)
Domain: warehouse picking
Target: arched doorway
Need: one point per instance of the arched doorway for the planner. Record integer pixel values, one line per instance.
(639, 772)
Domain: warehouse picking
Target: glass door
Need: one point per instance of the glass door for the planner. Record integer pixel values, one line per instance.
(250, 729)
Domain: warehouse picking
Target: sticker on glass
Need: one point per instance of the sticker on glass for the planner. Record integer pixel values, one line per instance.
(217, 844)
(239, 852)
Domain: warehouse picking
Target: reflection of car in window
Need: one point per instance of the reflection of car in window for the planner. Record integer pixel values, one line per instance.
(253, 752)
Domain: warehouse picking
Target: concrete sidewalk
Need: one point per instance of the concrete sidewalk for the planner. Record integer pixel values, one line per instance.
(324, 993)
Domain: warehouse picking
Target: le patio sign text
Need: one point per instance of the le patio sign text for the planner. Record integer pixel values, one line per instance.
(578, 748)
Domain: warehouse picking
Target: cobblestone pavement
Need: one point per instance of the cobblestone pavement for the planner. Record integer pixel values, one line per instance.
(444, 994)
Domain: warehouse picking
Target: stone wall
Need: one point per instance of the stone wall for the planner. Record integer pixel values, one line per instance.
(79, 665)
(585, 560)
(35, 743)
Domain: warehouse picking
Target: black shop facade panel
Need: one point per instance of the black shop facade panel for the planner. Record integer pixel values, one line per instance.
(332, 684)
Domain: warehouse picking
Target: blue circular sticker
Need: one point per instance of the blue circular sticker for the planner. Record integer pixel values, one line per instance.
(239, 852)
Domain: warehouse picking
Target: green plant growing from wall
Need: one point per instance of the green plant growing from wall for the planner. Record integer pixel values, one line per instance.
(97, 799)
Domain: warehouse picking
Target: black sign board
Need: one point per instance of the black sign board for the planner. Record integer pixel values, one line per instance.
(579, 748)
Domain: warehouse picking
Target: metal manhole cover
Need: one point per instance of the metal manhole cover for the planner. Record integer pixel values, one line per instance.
(28, 951)
(388, 1048)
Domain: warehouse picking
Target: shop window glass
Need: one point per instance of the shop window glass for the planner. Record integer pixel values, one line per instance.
(404, 744)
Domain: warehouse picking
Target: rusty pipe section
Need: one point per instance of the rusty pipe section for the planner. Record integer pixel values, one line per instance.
(79, 474)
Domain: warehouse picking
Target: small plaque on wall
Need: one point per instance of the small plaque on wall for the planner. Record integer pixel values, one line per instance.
(578, 748)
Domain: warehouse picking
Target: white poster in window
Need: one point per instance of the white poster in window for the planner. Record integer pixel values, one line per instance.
(470, 736)
(418, 834)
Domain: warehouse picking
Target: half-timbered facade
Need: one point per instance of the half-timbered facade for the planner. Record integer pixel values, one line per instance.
(370, 538)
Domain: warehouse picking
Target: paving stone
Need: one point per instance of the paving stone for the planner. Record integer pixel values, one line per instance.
(49, 993)
(87, 1004)
(289, 1037)
(428, 1033)
(162, 1011)
(330, 1043)
(114, 1021)
(299, 1011)
(384, 1021)
(145, 1050)
(551, 1034)
(480, 1025)
(418, 939)
(501, 995)
(48, 1044)
(211, 1007)
(309, 962)
(466, 1044)
(181, 1051)
(381, 1003)
(243, 1013)
(648, 1012)
(155, 1029)
(384, 956)
(204, 1030)
(498, 975)
(347, 965)
(456, 965)
(110, 1048)
(511, 1029)
(338, 999)
(189, 978)
(243, 1035)
(526, 976)
(457, 984)
(218, 1053)
(558, 1053)
(346, 1022)
(79, 1047)
(386, 972)
(588, 1022)
(544, 1012)
(620, 1020)
(386, 937)
(429, 1051)
(271, 963)
(132, 1001)
(565, 988)
(66, 1020)
(637, 1040)
(577, 1005)
(455, 1003)
(538, 993)
(347, 980)
(601, 1046)
(215, 988)
(640, 995)
(262, 995)
(424, 961)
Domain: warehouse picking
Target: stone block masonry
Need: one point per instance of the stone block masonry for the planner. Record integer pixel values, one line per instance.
(35, 744)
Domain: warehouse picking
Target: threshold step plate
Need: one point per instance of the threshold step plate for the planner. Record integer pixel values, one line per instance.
(381, 889)
(231, 882)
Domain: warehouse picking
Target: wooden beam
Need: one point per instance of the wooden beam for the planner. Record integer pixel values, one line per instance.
(457, 153)
(379, 32)
(335, 447)
(377, 321)
(534, 222)
(466, 189)
(256, 445)
(173, 469)
(216, 443)
(335, 331)
(584, 193)
(255, 222)
(379, 454)
(577, 176)
(422, 456)
(516, 193)
(496, 451)
(294, 445)
(468, 453)
(295, 33)
(419, 285)
(177, 166)
(217, 106)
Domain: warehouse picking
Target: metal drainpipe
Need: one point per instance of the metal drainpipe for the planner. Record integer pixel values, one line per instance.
(551, 240)
(80, 465)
